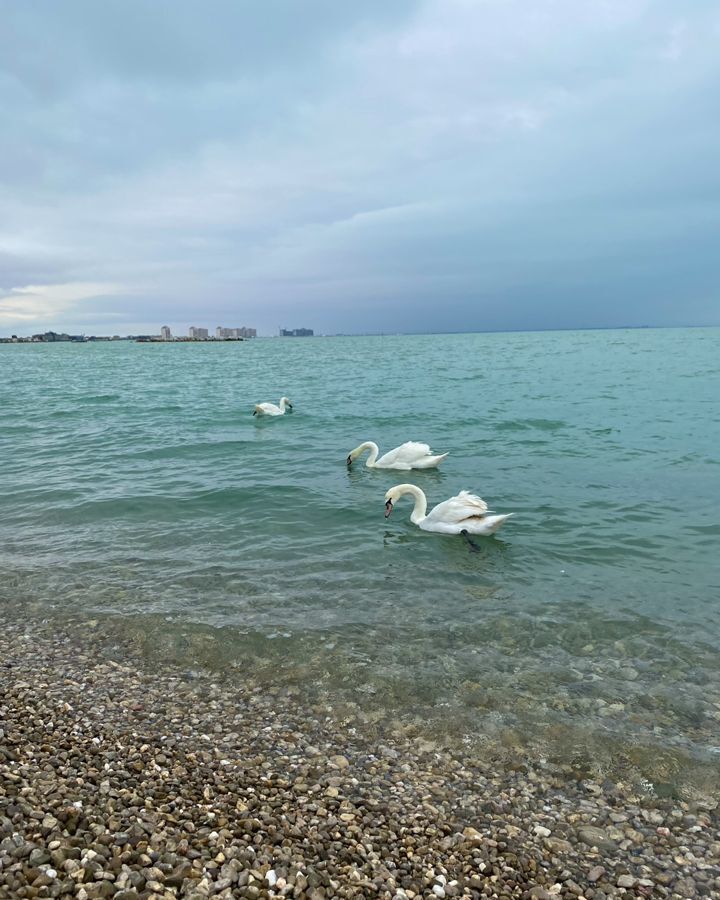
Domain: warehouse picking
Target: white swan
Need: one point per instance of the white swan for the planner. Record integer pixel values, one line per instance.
(463, 514)
(410, 455)
(269, 409)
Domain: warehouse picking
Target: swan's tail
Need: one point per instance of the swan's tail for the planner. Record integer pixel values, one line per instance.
(494, 523)
(429, 462)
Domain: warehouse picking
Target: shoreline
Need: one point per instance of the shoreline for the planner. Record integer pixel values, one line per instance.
(657, 738)
(121, 780)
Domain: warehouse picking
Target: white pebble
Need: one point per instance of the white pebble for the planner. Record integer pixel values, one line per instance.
(438, 890)
(271, 877)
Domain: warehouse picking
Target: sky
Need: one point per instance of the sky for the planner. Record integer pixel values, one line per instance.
(412, 165)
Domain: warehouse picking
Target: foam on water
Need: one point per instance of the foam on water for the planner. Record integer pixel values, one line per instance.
(138, 489)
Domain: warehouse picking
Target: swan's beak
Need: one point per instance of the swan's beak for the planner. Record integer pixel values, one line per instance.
(290, 406)
(349, 461)
(254, 412)
(388, 508)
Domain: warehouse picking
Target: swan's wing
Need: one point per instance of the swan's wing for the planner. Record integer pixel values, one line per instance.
(405, 454)
(459, 508)
(267, 408)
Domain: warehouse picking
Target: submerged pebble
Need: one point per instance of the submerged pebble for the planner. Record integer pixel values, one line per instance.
(118, 781)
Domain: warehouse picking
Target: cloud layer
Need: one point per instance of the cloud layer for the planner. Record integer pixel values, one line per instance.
(438, 165)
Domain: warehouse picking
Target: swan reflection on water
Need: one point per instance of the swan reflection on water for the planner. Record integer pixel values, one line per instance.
(397, 537)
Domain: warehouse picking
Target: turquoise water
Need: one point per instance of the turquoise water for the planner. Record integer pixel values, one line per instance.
(139, 492)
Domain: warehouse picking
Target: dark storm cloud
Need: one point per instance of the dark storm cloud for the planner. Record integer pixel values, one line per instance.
(404, 166)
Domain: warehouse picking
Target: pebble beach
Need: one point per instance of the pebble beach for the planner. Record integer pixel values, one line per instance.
(359, 450)
(118, 780)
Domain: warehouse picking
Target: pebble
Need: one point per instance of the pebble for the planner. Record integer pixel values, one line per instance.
(595, 874)
(473, 837)
(154, 785)
(596, 837)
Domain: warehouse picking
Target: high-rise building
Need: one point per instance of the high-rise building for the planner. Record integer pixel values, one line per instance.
(243, 332)
(165, 333)
(198, 333)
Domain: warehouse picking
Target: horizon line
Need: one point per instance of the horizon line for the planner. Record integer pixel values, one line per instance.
(8, 338)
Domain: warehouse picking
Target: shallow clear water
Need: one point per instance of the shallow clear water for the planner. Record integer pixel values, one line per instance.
(138, 490)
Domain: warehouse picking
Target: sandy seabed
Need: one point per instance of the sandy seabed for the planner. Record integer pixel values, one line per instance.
(121, 781)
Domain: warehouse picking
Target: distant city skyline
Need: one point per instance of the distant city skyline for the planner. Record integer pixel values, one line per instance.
(23, 337)
(164, 333)
(418, 166)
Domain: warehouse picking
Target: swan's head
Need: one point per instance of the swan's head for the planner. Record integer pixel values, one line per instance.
(353, 455)
(392, 496)
(284, 400)
(395, 493)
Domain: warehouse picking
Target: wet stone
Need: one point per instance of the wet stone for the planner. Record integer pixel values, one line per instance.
(155, 785)
(38, 857)
(596, 837)
(595, 874)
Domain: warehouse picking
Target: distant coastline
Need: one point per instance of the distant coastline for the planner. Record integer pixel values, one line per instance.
(54, 337)
(62, 337)
(138, 339)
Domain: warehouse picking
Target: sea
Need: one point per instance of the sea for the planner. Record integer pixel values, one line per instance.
(140, 499)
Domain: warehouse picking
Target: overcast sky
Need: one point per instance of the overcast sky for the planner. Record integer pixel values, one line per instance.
(384, 165)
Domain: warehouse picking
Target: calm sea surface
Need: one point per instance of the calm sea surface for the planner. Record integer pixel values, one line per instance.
(138, 495)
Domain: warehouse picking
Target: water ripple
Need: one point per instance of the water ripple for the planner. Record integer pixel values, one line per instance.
(155, 501)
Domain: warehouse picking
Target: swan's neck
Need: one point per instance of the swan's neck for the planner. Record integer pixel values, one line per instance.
(420, 508)
(282, 404)
(374, 450)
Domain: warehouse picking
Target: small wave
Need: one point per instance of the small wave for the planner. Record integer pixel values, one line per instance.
(98, 398)
(177, 451)
(685, 459)
(704, 529)
(42, 495)
(65, 413)
(523, 424)
(180, 505)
